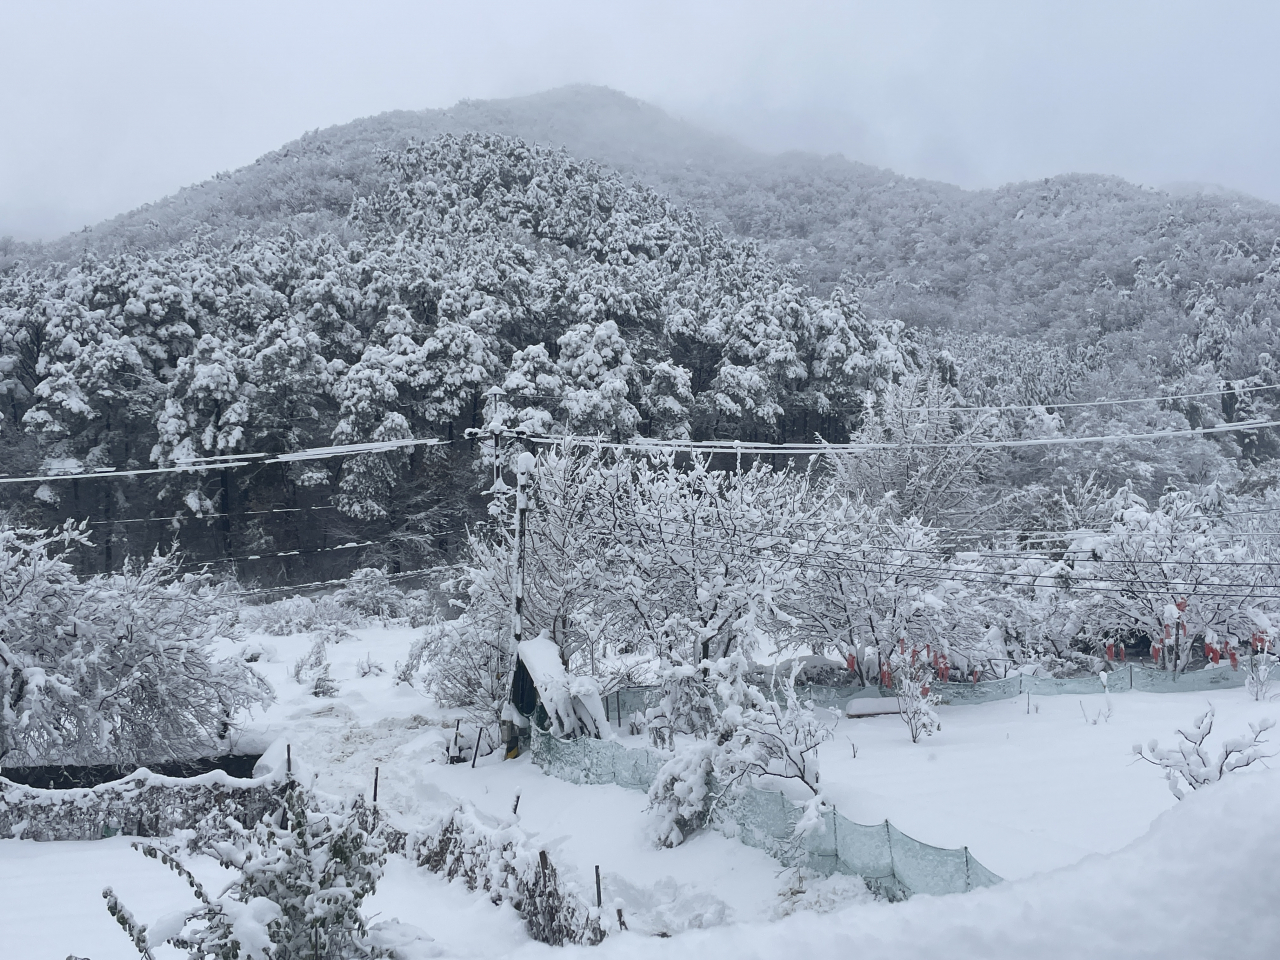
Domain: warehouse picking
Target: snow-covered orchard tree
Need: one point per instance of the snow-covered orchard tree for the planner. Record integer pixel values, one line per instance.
(1174, 573)
(706, 570)
(116, 668)
(871, 579)
(686, 564)
(754, 738)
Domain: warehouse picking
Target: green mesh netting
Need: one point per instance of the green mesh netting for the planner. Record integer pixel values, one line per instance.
(892, 863)
(634, 700)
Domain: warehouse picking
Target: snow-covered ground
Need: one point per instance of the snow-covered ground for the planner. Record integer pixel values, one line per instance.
(1046, 798)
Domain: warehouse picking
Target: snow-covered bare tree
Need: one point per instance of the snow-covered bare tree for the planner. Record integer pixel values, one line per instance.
(755, 738)
(1172, 572)
(1192, 767)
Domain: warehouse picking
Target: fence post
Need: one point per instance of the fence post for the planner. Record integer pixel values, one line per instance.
(893, 867)
(968, 883)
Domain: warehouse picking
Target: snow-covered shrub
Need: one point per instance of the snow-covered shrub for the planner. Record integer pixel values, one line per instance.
(802, 889)
(686, 706)
(407, 671)
(369, 667)
(754, 738)
(465, 666)
(118, 667)
(303, 876)
(141, 804)
(370, 593)
(301, 615)
(1190, 764)
(683, 797)
(256, 650)
(913, 682)
(500, 860)
(312, 669)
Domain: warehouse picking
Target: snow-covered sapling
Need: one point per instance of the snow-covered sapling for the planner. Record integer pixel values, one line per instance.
(916, 699)
(685, 707)
(1261, 666)
(312, 670)
(1191, 766)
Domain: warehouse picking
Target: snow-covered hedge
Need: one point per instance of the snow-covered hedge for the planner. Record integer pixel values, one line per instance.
(143, 804)
(300, 615)
(499, 859)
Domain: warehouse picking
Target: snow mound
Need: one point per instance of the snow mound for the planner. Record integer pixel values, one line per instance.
(1110, 906)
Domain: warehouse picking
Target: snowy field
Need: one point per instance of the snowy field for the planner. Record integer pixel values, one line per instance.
(1100, 858)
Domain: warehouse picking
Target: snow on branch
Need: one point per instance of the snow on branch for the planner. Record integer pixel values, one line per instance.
(1190, 764)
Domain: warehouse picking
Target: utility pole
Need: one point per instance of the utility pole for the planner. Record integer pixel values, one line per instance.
(513, 720)
(492, 397)
(524, 473)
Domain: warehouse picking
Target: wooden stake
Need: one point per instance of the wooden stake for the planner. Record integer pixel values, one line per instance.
(288, 759)
(622, 924)
(476, 752)
(598, 900)
(515, 806)
(375, 784)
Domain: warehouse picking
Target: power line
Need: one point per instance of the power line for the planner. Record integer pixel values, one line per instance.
(316, 584)
(513, 399)
(828, 449)
(283, 553)
(1100, 402)
(1119, 586)
(211, 516)
(825, 542)
(230, 461)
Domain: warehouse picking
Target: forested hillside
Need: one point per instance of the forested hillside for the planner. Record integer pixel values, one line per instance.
(372, 282)
(483, 262)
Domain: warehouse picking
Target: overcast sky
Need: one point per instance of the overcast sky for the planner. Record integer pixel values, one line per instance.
(105, 106)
